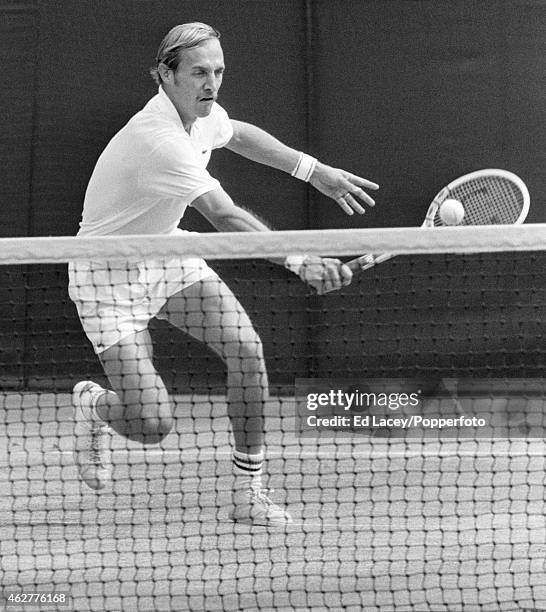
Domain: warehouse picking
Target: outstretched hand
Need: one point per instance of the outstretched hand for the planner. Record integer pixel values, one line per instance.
(345, 188)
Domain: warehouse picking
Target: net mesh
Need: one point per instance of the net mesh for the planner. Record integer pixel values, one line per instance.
(383, 518)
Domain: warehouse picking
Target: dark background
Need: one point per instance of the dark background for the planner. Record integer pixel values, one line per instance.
(410, 94)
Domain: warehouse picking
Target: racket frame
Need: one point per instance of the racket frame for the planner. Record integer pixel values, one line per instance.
(369, 260)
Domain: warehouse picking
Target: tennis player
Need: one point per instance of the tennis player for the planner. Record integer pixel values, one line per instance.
(147, 176)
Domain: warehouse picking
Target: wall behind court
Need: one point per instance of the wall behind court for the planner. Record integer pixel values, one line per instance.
(408, 93)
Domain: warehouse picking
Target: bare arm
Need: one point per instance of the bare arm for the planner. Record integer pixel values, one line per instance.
(323, 274)
(258, 145)
(218, 208)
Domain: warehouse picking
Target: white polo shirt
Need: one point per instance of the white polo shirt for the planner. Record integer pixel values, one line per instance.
(152, 170)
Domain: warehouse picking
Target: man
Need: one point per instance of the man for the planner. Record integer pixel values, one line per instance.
(148, 174)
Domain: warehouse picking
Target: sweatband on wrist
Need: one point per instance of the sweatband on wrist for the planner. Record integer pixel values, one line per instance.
(305, 167)
(294, 263)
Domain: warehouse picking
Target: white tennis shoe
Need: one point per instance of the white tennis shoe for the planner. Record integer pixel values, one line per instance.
(91, 437)
(253, 506)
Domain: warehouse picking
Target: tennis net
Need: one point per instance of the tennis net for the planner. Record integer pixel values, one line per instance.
(388, 515)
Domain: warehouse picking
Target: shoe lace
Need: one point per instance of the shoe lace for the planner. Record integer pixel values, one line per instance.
(261, 495)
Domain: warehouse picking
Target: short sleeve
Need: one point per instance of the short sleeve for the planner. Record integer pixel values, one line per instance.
(224, 129)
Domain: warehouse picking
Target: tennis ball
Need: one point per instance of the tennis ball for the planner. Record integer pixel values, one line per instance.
(451, 212)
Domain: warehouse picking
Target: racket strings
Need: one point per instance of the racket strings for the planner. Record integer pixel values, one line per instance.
(488, 201)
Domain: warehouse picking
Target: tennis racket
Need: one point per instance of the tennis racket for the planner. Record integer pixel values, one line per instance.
(489, 197)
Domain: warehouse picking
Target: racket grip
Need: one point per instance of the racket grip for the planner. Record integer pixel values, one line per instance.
(364, 262)
(367, 261)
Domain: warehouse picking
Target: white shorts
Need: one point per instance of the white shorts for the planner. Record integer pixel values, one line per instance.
(116, 299)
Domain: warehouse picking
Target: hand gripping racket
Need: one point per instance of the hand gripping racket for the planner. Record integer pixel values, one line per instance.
(489, 197)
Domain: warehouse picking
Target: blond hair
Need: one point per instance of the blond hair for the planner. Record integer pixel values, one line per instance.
(184, 36)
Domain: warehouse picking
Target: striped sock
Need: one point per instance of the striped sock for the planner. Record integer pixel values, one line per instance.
(247, 470)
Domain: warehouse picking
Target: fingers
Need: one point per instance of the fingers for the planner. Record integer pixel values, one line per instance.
(348, 190)
(347, 205)
(357, 192)
(362, 182)
(349, 201)
(346, 274)
(334, 276)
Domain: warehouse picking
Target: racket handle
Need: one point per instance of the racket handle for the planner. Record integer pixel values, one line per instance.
(367, 261)
(364, 262)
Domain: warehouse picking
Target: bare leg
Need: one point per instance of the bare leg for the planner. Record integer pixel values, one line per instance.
(209, 312)
(140, 409)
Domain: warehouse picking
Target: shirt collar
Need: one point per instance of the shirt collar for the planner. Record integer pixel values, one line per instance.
(167, 107)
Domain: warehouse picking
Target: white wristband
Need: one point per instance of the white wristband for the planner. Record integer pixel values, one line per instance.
(305, 167)
(294, 263)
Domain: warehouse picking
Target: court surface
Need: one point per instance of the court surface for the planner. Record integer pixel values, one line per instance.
(378, 525)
